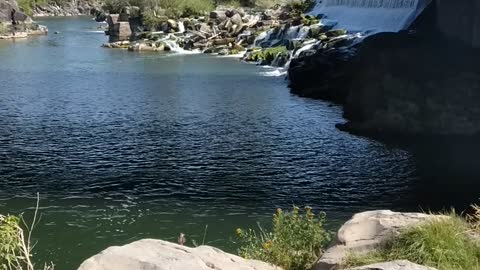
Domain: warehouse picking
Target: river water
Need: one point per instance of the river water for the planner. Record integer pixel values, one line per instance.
(123, 146)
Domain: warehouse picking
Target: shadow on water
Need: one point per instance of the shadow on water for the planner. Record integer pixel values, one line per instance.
(448, 169)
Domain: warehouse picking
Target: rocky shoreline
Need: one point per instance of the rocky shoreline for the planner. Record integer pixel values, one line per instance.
(24, 26)
(363, 233)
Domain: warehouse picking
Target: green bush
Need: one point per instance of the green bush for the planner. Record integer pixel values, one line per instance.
(441, 243)
(28, 6)
(10, 243)
(296, 241)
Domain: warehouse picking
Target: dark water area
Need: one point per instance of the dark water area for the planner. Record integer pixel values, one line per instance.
(123, 146)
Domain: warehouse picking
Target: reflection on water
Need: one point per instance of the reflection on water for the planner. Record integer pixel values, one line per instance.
(123, 146)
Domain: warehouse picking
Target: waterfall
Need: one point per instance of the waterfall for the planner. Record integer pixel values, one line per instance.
(172, 45)
(276, 37)
(370, 16)
(181, 27)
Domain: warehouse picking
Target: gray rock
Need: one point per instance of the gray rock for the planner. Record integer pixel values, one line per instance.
(218, 14)
(121, 30)
(6, 7)
(205, 28)
(112, 19)
(366, 232)
(224, 52)
(237, 19)
(173, 24)
(394, 265)
(149, 254)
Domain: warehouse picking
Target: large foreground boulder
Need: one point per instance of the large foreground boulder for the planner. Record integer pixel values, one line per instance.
(152, 254)
(394, 265)
(368, 231)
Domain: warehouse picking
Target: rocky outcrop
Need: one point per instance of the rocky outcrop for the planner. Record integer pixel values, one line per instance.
(226, 31)
(67, 8)
(366, 232)
(24, 25)
(6, 7)
(162, 255)
(394, 265)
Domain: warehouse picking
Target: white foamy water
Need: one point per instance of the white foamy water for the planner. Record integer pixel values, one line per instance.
(238, 55)
(274, 72)
(370, 16)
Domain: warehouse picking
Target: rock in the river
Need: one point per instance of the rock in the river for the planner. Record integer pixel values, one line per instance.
(367, 231)
(394, 265)
(121, 30)
(152, 254)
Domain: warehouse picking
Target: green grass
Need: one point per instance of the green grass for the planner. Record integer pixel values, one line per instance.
(296, 241)
(444, 244)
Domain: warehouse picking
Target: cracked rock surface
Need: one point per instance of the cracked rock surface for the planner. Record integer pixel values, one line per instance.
(150, 254)
(365, 232)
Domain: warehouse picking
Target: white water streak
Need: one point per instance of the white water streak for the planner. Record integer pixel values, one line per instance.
(371, 16)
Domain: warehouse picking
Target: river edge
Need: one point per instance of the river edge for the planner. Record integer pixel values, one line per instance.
(355, 242)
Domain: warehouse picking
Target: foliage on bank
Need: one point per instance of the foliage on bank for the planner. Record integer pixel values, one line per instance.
(183, 8)
(16, 243)
(445, 244)
(296, 241)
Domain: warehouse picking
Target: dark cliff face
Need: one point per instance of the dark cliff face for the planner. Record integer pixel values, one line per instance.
(459, 19)
(422, 83)
(419, 83)
(411, 85)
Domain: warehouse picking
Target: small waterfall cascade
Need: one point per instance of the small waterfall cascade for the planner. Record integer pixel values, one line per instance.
(181, 27)
(172, 45)
(170, 41)
(281, 36)
(370, 16)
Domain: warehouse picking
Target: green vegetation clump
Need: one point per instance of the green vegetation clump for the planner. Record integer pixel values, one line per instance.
(10, 243)
(296, 242)
(267, 55)
(442, 243)
(27, 6)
